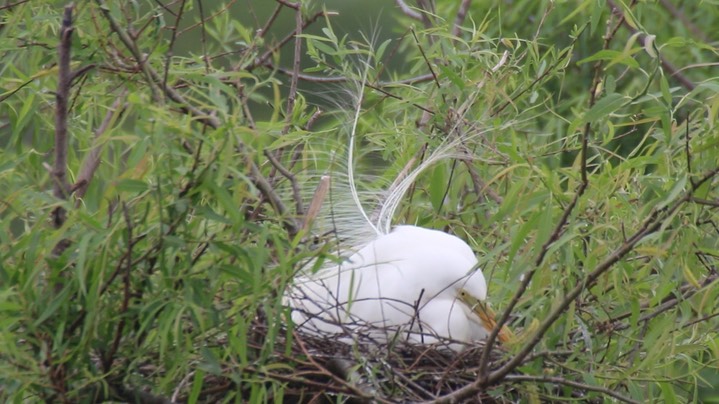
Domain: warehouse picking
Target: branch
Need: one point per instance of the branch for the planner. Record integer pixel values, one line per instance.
(61, 188)
(154, 78)
(92, 160)
(651, 225)
(461, 15)
(668, 67)
(408, 11)
(571, 383)
(295, 72)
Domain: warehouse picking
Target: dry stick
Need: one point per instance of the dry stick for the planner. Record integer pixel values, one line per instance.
(317, 200)
(355, 390)
(153, 77)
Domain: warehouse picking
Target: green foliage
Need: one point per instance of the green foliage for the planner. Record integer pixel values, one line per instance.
(177, 248)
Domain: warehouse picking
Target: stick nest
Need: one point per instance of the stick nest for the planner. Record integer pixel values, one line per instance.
(310, 368)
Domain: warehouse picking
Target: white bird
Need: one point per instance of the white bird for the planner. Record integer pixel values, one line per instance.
(408, 281)
(418, 281)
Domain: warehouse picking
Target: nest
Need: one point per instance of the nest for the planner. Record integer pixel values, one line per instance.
(327, 369)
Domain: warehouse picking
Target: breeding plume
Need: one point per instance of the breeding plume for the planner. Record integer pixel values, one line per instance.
(404, 281)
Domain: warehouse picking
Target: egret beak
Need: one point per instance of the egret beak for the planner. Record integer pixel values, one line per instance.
(486, 316)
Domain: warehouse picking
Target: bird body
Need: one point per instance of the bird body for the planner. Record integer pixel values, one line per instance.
(406, 280)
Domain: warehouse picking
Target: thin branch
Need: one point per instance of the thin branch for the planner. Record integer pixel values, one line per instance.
(651, 225)
(263, 31)
(265, 57)
(173, 38)
(676, 13)
(461, 15)
(668, 67)
(570, 383)
(295, 72)
(296, 195)
(153, 77)
(294, 6)
(203, 36)
(341, 79)
(92, 160)
(707, 202)
(109, 356)
(408, 11)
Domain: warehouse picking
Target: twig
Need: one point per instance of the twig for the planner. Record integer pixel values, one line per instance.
(296, 195)
(294, 6)
(153, 77)
(173, 38)
(262, 60)
(109, 356)
(408, 11)
(668, 67)
(570, 383)
(700, 201)
(676, 13)
(461, 15)
(92, 160)
(263, 31)
(295, 72)
(651, 225)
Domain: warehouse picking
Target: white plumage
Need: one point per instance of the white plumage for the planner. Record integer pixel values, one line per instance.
(423, 284)
(411, 279)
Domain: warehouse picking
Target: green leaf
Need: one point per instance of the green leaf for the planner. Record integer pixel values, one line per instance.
(605, 106)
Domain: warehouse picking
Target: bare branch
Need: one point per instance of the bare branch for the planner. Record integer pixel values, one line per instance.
(408, 11)
(461, 15)
(61, 188)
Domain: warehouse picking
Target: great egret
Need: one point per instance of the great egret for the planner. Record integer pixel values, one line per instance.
(421, 282)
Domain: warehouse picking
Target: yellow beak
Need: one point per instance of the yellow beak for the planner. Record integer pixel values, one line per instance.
(486, 316)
